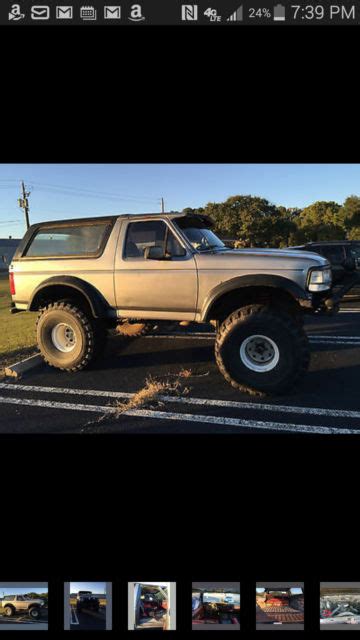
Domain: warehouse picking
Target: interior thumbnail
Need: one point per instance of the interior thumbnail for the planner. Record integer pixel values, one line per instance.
(215, 605)
(279, 604)
(152, 606)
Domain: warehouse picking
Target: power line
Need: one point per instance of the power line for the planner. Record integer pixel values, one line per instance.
(83, 190)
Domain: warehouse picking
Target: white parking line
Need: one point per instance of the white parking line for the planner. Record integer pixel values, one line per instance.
(313, 338)
(74, 616)
(184, 417)
(231, 404)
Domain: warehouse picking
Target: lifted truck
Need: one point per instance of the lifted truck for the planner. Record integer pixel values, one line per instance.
(88, 275)
(22, 604)
(86, 600)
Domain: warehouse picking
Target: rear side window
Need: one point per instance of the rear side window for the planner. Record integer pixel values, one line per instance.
(74, 240)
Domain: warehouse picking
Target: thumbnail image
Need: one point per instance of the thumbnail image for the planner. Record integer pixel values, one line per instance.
(152, 605)
(339, 604)
(280, 605)
(24, 605)
(87, 606)
(215, 605)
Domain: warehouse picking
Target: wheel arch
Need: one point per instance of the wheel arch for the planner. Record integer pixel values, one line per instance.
(57, 288)
(230, 295)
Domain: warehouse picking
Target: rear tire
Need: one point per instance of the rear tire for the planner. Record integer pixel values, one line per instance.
(66, 337)
(260, 350)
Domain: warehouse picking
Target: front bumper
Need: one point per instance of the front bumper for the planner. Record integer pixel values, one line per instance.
(328, 302)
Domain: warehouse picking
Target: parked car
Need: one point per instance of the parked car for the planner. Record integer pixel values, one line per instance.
(86, 275)
(343, 255)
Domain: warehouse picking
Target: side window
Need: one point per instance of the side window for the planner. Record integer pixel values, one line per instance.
(143, 234)
(154, 233)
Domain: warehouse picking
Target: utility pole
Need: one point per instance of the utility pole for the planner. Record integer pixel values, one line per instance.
(24, 203)
(162, 206)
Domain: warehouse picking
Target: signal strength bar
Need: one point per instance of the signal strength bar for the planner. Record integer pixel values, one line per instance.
(237, 16)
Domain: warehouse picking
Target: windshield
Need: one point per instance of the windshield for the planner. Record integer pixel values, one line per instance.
(202, 239)
(226, 598)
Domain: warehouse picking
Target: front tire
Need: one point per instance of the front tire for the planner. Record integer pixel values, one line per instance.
(66, 336)
(9, 611)
(261, 350)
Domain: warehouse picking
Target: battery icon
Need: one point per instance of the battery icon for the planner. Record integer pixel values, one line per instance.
(279, 13)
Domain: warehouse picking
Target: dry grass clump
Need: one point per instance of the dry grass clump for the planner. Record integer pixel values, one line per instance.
(150, 394)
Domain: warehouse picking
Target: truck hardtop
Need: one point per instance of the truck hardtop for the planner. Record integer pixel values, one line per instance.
(129, 272)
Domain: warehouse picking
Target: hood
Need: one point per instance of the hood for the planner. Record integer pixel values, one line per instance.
(281, 253)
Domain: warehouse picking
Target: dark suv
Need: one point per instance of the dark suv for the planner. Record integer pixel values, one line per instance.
(343, 255)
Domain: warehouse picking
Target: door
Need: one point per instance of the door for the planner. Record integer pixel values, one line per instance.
(163, 288)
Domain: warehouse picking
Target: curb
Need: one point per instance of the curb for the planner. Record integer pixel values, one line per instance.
(17, 369)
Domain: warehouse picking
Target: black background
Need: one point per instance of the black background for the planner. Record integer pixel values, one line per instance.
(117, 508)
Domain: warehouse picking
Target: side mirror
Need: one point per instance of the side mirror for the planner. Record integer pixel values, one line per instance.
(154, 253)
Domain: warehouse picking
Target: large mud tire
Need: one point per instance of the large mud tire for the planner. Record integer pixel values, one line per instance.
(67, 338)
(261, 350)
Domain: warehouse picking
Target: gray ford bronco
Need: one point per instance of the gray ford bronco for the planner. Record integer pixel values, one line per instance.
(22, 604)
(133, 271)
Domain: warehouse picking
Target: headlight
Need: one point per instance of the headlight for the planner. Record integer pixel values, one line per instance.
(320, 280)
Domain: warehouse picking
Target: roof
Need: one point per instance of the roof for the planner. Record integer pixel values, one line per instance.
(112, 218)
(325, 243)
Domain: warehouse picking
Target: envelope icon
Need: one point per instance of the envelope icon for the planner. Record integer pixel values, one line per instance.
(64, 13)
(40, 12)
(112, 13)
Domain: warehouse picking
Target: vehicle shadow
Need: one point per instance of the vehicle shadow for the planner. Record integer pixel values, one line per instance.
(130, 357)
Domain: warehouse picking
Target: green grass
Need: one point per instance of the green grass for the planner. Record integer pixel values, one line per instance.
(17, 331)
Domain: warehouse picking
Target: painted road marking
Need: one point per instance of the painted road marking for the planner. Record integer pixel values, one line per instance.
(184, 417)
(73, 616)
(231, 404)
(314, 339)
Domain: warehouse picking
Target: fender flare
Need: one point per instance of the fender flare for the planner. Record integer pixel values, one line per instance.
(97, 303)
(256, 280)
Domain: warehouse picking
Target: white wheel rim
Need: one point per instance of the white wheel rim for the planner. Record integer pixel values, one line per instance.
(259, 353)
(63, 337)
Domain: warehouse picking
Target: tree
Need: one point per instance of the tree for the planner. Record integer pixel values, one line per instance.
(250, 219)
(350, 213)
(322, 220)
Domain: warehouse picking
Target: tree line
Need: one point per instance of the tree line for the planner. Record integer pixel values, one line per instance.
(253, 221)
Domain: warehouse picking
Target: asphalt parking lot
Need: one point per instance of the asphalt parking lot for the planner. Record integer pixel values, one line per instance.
(325, 402)
(83, 621)
(19, 620)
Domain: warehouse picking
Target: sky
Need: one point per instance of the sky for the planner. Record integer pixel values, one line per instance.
(15, 591)
(61, 191)
(95, 587)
